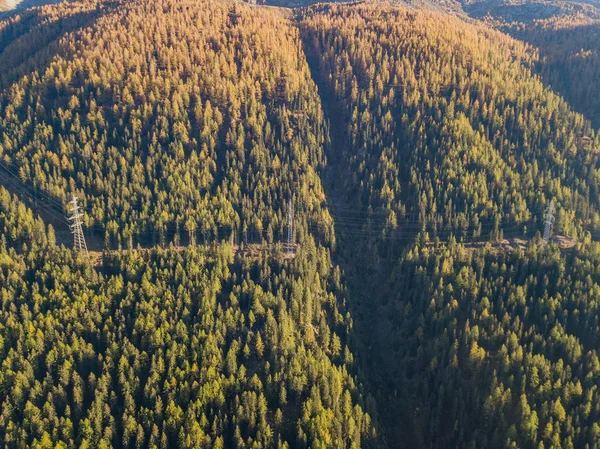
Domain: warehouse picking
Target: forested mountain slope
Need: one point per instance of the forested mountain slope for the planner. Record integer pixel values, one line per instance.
(529, 11)
(493, 349)
(166, 118)
(172, 349)
(187, 126)
(447, 132)
(446, 129)
(172, 122)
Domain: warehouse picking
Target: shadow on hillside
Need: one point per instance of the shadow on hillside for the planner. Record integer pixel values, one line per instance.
(364, 273)
(32, 39)
(569, 64)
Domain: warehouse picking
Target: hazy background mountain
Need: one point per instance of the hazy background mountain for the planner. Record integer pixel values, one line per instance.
(8, 6)
(528, 11)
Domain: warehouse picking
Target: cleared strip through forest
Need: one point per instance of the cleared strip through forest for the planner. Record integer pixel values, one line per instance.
(350, 222)
(359, 275)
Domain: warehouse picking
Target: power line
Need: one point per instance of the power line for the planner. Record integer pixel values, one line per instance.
(354, 222)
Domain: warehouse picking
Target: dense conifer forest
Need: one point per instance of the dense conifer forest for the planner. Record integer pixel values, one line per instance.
(169, 120)
(512, 335)
(166, 348)
(416, 153)
(452, 131)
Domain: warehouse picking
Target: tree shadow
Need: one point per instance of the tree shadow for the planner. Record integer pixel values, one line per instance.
(362, 273)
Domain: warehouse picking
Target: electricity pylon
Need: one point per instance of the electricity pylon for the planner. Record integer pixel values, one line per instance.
(76, 228)
(290, 239)
(548, 221)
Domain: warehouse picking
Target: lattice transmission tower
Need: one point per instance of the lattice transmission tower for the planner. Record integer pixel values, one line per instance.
(77, 228)
(549, 221)
(290, 239)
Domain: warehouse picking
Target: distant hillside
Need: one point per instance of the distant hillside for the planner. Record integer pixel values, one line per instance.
(526, 11)
(569, 49)
(8, 6)
(504, 11)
